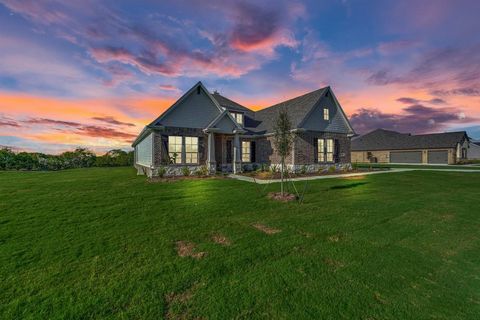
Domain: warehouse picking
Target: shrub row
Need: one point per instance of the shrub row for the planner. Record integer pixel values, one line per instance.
(79, 158)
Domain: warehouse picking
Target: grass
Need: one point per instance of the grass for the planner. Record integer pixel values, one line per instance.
(417, 166)
(101, 243)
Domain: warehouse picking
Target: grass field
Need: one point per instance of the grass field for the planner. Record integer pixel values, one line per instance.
(102, 243)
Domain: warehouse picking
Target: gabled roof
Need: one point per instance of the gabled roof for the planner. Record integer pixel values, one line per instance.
(381, 139)
(222, 115)
(182, 98)
(298, 108)
(229, 104)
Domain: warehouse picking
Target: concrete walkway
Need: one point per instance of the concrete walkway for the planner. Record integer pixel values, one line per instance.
(348, 175)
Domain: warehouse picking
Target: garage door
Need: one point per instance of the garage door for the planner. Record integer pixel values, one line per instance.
(438, 157)
(406, 157)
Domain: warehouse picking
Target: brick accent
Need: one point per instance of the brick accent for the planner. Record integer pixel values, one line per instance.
(305, 146)
(161, 140)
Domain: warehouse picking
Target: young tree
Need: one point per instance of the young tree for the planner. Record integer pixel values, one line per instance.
(283, 140)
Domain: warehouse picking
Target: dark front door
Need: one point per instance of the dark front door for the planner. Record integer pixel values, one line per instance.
(229, 151)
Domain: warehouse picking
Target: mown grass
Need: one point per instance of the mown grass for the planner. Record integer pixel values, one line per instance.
(101, 243)
(417, 166)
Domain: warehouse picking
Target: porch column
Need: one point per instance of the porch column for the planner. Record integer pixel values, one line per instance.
(212, 165)
(237, 160)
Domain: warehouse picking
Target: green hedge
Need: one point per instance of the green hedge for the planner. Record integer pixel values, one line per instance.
(79, 158)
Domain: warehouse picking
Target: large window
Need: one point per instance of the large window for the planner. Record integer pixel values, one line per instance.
(246, 152)
(326, 150)
(321, 150)
(175, 149)
(238, 117)
(330, 149)
(326, 114)
(191, 150)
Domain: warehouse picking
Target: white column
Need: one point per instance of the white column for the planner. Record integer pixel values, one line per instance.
(212, 165)
(237, 160)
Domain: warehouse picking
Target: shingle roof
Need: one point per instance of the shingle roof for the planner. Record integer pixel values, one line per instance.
(298, 108)
(381, 139)
(229, 104)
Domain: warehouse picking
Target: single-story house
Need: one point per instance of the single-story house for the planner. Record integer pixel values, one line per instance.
(209, 132)
(384, 146)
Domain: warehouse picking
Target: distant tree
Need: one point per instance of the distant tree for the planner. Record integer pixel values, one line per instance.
(283, 139)
(7, 158)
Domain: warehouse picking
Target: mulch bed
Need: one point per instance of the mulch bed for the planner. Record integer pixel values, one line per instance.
(286, 197)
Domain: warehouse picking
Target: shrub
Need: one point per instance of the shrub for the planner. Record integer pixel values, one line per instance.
(274, 168)
(202, 171)
(161, 172)
(186, 171)
(263, 167)
(332, 169)
(303, 169)
(355, 166)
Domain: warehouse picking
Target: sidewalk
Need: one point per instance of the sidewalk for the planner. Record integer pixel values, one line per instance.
(348, 175)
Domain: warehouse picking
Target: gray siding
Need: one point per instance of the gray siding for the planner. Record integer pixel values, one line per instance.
(196, 111)
(143, 151)
(315, 122)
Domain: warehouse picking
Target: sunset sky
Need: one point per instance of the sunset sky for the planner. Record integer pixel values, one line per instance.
(93, 73)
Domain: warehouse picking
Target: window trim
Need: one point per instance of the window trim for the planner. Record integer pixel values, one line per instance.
(323, 153)
(179, 154)
(246, 145)
(326, 114)
(235, 114)
(183, 155)
(191, 152)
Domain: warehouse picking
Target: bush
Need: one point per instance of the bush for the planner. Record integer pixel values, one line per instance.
(332, 169)
(186, 171)
(79, 158)
(303, 169)
(274, 168)
(202, 171)
(161, 172)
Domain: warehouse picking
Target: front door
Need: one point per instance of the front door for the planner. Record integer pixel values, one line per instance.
(229, 151)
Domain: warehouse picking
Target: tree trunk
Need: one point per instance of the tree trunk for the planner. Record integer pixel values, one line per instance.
(281, 177)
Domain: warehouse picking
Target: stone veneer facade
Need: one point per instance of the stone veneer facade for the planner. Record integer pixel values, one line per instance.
(302, 158)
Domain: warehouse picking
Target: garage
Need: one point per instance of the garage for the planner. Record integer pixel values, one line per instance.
(438, 157)
(406, 157)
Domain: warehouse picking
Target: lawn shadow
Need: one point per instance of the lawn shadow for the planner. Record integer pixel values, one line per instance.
(348, 186)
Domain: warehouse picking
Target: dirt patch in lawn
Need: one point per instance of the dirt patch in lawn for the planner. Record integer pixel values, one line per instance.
(286, 197)
(334, 263)
(176, 304)
(188, 249)
(265, 229)
(220, 239)
(336, 237)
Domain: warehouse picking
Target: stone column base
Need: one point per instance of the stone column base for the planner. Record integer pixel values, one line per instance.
(237, 167)
(212, 167)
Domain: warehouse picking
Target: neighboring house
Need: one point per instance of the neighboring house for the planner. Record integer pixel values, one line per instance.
(385, 146)
(204, 129)
(474, 151)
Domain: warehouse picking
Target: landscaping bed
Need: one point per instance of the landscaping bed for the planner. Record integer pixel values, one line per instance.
(269, 175)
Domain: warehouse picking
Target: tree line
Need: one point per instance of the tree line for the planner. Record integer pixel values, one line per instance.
(79, 158)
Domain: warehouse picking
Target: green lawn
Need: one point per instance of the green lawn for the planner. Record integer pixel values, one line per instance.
(417, 166)
(101, 243)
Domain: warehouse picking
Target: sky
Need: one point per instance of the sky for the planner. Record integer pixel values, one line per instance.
(94, 73)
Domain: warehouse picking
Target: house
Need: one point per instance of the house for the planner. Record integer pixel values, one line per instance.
(474, 151)
(207, 131)
(386, 146)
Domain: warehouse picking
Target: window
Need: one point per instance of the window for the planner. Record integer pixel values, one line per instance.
(175, 149)
(326, 114)
(191, 149)
(330, 150)
(321, 150)
(326, 150)
(245, 151)
(238, 117)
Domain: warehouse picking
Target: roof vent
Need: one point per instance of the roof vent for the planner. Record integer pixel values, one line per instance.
(198, 90)
(215, 92)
